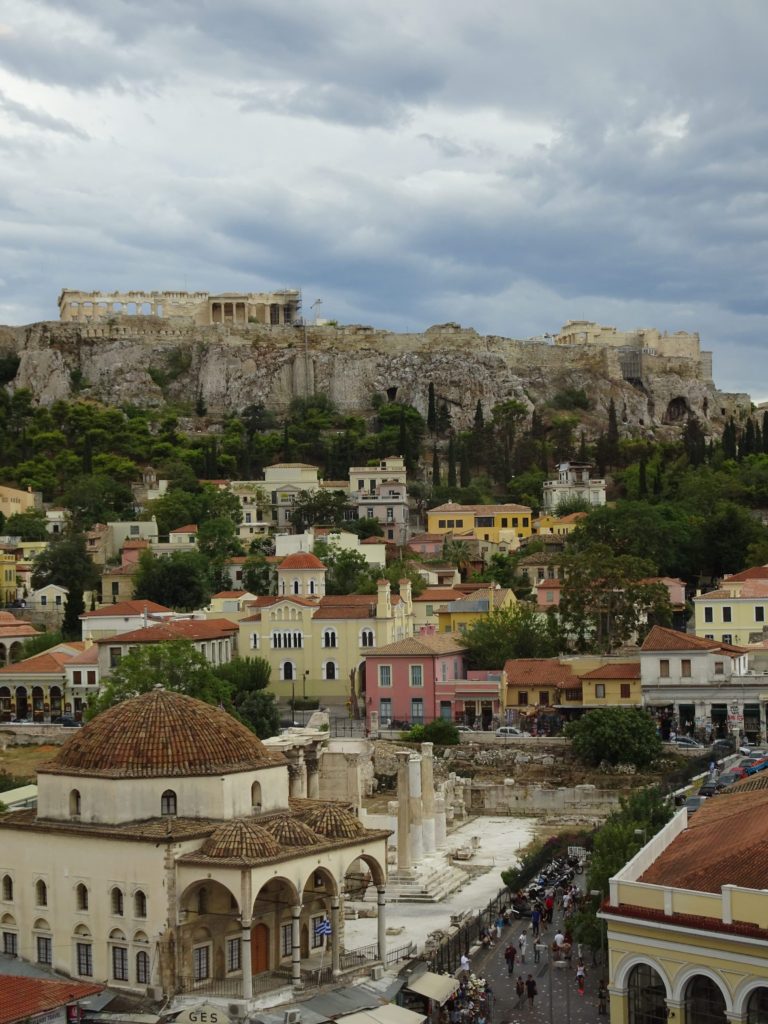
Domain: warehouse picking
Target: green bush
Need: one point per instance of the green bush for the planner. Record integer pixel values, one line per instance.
(440, 732)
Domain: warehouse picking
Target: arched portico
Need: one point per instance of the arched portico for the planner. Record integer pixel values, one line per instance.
(271, 924)
(683, 978)
(209, 920)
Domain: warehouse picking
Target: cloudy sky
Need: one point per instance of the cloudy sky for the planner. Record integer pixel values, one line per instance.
(508, 164)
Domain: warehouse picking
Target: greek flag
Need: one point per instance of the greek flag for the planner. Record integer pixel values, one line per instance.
(323, 926)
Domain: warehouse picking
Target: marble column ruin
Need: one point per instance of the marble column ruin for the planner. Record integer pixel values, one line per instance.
(403, 811)
(416, 832)
(427, 798)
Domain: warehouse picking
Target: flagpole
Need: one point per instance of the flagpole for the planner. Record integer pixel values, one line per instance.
(322, 958)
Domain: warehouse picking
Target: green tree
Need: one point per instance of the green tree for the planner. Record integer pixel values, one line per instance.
(451, 462)
(348, 572)
(248, 679)
(174, 665)
(516, 631)
(431, 409)
(180, 580)
(616, 735)
(328, 508)
(38, 644)
(606, 601)
(65, 563)
(257, 575)
(26, 525)
(612, 436)
(217, 538)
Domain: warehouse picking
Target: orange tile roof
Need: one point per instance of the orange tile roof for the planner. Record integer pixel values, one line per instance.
(22, 998)
(538, 671)
(52, 660)
(140, 543)
(661, 638)
(451, 506)
(430, 645)
(22, 629)
(439, 594)
(189, 528)
(756, 572)
(188, 629)
(427, 538)
(750, 588)
(373, 540)
(90, 656)
(125, 608)
(622, 670)
(724, 844)
(301, 560)
(229, 593)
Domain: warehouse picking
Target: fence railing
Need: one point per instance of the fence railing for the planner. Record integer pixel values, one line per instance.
(232, 987)
(446, 956)
(401, 953)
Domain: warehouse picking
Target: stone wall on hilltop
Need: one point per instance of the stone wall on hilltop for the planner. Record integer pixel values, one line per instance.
(146, 361)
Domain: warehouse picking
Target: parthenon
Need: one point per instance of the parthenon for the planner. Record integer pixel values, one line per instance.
(202, 308)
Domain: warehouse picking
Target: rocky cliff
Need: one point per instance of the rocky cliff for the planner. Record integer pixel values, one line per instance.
(146, 361)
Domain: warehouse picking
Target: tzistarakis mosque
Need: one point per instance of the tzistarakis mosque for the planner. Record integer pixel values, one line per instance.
(169, 852)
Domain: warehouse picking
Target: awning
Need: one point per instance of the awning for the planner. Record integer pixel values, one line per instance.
(439, 987)
(387, 1014)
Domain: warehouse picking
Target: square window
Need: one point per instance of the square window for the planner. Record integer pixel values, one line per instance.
(44, 950)
(201, 958)
(600, 691)
(10, 943)
(760, 614)
(119, 963)
(233, 954)
(522, 697)
(664, 668)
(625, 691)
(727, 638)
(84, 959)
(719, 668)
(544, 698)
(385, 675)
(417, 710)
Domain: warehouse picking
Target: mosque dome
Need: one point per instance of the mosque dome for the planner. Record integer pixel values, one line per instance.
(161, 734)
(334, 821)
(291, 832)
(241, 840)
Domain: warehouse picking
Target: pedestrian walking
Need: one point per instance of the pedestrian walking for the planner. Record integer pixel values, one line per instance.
(509, 955)
(581, 977)
(522, 944)
(499, 926)
(535, 922)
(549, 906)
(602, 997)
(464, 962)
(520, 991)
(531, 990)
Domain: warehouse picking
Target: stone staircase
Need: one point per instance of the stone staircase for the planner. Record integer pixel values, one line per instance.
(431, 881)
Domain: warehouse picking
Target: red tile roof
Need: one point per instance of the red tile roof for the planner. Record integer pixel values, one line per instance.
(724, 844)
(661, 638)
(189, 528)
(429, 645)
(49, 661)
(487, 510)
(125, 608)
(622, 670)
(140, 543)
(302, 560)
(432, 594)
(757, 572)
(229, 594)
(22, 998)
(187, 629)
(538, 671)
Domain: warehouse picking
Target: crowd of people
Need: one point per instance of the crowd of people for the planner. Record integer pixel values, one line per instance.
(472, 1002)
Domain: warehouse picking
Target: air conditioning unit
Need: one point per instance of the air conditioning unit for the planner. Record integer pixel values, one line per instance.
(155, 992)
(235, 1010)
(377, 972)
(292, 1017)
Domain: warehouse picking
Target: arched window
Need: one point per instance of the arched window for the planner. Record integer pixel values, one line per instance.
(81, 897)
(330, 671)
(757, 1007)
(202, 901)
(7, 887)
(312, 587)
(366, 638)
(168, 803)
(41, 893)
(296, 587)
(74, 803)
(256, 797)
(117, 902)
(329, 638)
(646, 996)
(704, 1002)
(139, 904)
(288, 670)
(142, 968)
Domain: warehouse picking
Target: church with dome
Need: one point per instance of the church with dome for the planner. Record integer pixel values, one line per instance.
(167, 855)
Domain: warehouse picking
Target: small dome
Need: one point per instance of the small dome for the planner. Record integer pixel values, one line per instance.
(161, 734)
(292, 832)
(334, 822)
(240, 839)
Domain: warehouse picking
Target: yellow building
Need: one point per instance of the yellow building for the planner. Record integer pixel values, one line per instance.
(8, 585)
(557, 526)
(735, 613)
(495, 523)
(14, 501)
(314, 642)
(458, 615)
(615, 684)
(687, 918)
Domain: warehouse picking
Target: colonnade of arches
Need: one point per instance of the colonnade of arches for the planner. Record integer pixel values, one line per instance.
(35, 703)
(698, 996)
(282, 928)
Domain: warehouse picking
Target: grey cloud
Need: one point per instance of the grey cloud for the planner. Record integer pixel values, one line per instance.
(39, 118)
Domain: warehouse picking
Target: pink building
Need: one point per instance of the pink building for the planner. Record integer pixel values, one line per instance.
(414, 680)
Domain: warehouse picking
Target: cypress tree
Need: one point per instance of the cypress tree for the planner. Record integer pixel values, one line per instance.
(480, 421)
(758, 440)
(465, 472)
(642, 485)
(435, 467)
(765, 432)
(451, 462)
(657, 481)
(749, 438)
(443, 419)
(431, 409)
(612, 436)
(583, 448)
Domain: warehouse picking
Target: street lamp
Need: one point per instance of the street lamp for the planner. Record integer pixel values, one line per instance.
(304, 694)
(644, 833)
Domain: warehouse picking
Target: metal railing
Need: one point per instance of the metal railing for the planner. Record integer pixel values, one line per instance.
(446, 957)
(210, 986)
(401, 953)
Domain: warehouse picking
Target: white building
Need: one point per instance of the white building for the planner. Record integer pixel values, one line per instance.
(573, 481)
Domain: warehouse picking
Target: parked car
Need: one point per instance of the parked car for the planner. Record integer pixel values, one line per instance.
(688, 742)
(69, 722)
(463, 728)
(722, 748)
(727, 779)
(708, 789)
(693, 803)
(509, 730)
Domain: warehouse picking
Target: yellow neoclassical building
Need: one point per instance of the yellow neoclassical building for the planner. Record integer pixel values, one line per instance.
(458, 615)
(494, 523)
(687, 918)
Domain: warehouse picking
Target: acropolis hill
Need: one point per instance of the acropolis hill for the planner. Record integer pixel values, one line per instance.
(234, 349)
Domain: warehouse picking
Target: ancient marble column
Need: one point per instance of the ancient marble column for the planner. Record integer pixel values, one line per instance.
(416, 834)
(441, 829)
(427, 798)
(381, 924)
(403, 811)
(296, 946)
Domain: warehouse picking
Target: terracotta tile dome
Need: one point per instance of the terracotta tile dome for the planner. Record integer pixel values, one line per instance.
(161, 734)
(334, 822)
(292, 832)
(241, 840)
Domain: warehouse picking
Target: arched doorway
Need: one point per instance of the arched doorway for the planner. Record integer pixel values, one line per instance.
(757, 1007)
(646, 996)
(704, 1002)
(259, 949)
(22, 703)
(5, 703)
